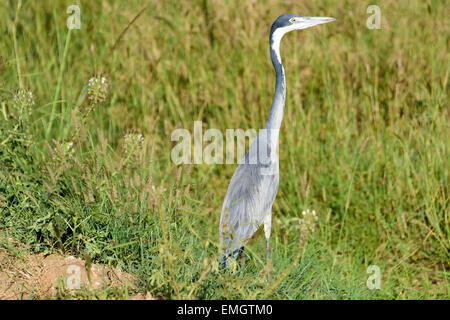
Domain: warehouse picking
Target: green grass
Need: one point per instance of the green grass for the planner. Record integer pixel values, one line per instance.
(364, 142)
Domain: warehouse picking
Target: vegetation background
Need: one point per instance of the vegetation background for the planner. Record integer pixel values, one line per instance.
(364, 143)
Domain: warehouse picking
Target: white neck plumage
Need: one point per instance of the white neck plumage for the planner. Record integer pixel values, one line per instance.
(277, 109)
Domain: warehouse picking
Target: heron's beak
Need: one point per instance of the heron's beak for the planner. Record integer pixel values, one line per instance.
(307, 22)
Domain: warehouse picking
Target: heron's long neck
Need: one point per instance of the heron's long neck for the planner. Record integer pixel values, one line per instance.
(277, 109)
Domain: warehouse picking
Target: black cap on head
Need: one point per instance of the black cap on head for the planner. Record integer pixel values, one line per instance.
(283, 21)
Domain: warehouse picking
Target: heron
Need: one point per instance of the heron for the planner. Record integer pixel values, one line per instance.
(254, 185)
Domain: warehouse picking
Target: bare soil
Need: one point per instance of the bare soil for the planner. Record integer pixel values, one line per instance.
(25, 275)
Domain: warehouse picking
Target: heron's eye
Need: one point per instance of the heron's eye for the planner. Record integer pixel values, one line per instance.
(292, 20)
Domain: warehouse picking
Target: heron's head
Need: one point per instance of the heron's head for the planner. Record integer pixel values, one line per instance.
(288, 22)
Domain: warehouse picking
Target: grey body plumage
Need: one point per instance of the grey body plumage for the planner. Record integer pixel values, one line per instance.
(254, 185)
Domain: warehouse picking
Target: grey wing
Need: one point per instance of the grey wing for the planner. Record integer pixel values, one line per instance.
(247, 203)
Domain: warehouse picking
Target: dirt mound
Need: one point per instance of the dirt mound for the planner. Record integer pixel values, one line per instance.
(24, 275)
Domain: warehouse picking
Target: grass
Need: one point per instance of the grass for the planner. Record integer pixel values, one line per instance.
(364, 142)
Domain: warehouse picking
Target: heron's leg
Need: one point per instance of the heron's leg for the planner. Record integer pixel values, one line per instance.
(267, 228)
(242, 254)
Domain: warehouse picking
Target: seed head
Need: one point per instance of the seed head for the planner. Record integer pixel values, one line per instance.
(308, 223)
(133, 146)
(97, 89)
(23, 102)
(68, 149)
